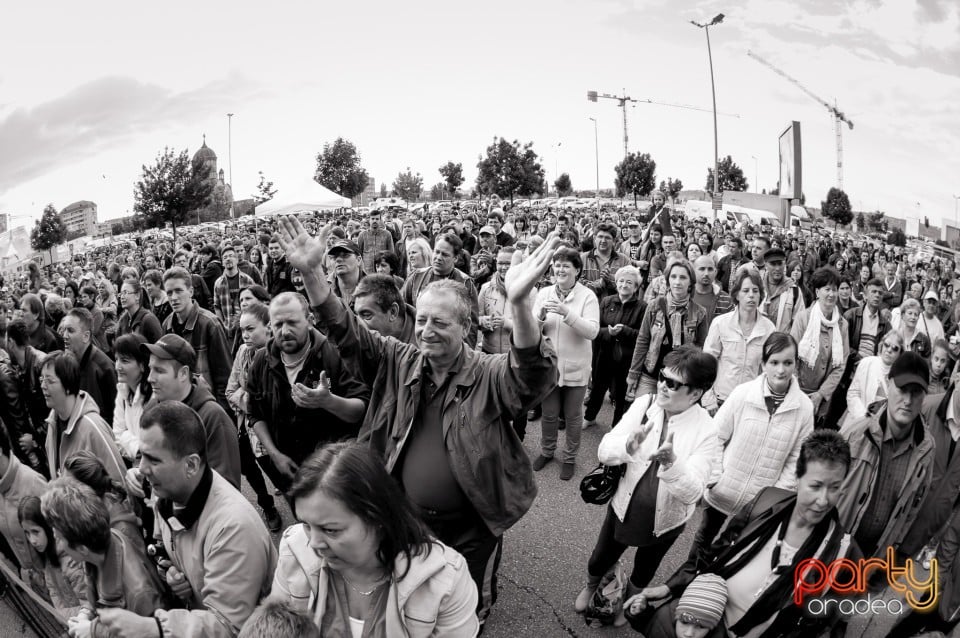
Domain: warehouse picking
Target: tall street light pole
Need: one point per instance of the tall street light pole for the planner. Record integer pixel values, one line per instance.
(556, 166)
(713, 91)
(596, 155)
(230, 160)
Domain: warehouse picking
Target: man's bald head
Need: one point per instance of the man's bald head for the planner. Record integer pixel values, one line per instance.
(705, 270)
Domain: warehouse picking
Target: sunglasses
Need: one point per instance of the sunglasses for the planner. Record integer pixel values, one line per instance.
(690, 619)
(672, 384)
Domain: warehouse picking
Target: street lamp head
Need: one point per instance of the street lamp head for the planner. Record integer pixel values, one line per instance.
(717, 19)
(592, 96)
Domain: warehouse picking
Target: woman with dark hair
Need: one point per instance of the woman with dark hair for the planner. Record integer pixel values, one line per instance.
(670, 321)
(71, 292)
(133, 393)
(759, 550)
(34, 317)
(668, 445)
(795, 272)
(736, 338)
(387, 263)
(362, 562)
(569, 314)
(64, 578)
(823, 340)
(769, 413)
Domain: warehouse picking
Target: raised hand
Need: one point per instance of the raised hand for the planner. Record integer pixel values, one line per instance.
(305, 253)
(635, 440)
(665, 454)
(522, 277)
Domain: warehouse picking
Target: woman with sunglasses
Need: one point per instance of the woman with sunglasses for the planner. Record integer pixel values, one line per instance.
(760, 548)
(671, 320)
(868, 388)
(668, 446)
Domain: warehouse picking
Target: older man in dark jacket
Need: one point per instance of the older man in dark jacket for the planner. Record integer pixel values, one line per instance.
(444, 410)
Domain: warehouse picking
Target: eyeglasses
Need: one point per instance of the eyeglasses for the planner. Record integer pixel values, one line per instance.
(690, 619)
(672, 384)
(633, 225)
(891, 346)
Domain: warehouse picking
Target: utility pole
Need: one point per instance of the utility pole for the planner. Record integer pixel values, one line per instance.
(230, 160)
(596, 155)
(713, 92)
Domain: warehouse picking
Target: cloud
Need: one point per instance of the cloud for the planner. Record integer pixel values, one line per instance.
(98, 116)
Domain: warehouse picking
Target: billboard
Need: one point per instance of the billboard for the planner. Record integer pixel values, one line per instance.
(790, 166)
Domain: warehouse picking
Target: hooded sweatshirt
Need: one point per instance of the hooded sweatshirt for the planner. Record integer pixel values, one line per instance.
(85, 430)
(223, 447)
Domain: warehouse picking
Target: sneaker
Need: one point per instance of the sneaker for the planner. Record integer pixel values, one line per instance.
(566, 471)
(273, 519)
(541, 462)
(583, 598)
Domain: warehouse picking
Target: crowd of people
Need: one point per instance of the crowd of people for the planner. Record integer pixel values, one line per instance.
(380, 373)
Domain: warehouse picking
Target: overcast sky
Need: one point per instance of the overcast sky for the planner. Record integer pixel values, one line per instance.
(90, 92)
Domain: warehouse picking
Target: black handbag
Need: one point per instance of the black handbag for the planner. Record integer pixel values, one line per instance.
(599, 485)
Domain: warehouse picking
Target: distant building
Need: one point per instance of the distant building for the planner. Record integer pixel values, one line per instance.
(4, 222)
(218, 206)
(368, 195)
(80, 217)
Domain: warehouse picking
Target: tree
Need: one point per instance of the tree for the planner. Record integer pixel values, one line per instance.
(49, 231)
(563, 185)
(453, 176)
(510, 169)
(671, 188)
(861, 221)
(408, 186)
(338, 168)
(877, 221)
(731, 177)
(636, 174)
(437, 191)
(171, 189)
(265, 190)
(383, 189)
(897, 238)
(837, 207)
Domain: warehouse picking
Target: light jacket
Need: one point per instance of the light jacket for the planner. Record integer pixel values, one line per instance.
(493, 301)
(738, 355)
(653, 330)
(697, 449)
(435, 597)
(572, 336)
(871, 374)
(228, 558)
(126, 420)
(825, 377)
(17, 483)
(86, 430)
(865, 437)
(485, 455)
(759, 450)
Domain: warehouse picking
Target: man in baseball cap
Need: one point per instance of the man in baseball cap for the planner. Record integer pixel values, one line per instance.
(172, 363)
(893, 459)
(347, 268)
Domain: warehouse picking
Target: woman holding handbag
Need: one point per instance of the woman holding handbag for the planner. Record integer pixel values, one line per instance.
(669, 447)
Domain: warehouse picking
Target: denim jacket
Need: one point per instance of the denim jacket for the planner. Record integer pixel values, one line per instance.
(653, 329)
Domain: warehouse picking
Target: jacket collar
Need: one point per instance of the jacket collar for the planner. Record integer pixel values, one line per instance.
(190, 514)
(790, 402)
(273, 349)
(193, 312)
(83, 405)
(465, 374)
(10, 476)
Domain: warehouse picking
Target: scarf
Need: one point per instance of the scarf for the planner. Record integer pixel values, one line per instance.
(809, 350)
(675, 312)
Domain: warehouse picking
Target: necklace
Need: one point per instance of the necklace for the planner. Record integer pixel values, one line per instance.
(356, 589)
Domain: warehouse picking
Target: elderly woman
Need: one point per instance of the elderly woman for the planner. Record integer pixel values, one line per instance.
(915, 339)
(669, 446)
(569, 314)
(821, 332)
(620, 318)
(736, 338)
(761, 547)
(361, 562)
(671, 320)
(868, 388)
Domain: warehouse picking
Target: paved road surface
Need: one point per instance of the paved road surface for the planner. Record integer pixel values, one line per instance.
(544, 558)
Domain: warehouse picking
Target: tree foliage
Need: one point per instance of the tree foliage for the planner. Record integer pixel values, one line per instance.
(338, 168)
(837, 207)
(453, 176)
(563, 185)
(171, 189)
(731, 176)
(437, 191)
(897, 238)
(636, 175)
(49, 231)
(265, 190)
(510, 169)
(407, 185)
(877, 221)
(861, 221)
(671, 187)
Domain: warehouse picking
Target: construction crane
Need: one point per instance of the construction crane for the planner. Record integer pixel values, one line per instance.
(835, 112)
(624, 99)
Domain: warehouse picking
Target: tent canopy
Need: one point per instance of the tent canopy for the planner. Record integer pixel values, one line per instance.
(306, 197)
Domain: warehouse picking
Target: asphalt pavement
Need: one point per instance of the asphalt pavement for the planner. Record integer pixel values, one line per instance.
(545, 556)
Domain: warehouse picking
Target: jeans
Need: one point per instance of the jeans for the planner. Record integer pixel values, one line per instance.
(569, 398)
(610, 375)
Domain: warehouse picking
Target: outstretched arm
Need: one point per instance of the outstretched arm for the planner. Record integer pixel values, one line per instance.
(520, 280)
(306, 254)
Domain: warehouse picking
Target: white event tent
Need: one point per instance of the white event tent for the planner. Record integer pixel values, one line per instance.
(308, 197)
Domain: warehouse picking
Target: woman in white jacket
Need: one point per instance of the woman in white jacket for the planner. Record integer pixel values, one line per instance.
(569, 315)
(133, 392)
(761, 427)
(869, 383)
(669, 447)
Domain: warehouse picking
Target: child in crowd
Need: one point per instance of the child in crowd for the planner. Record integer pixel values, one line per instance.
(277, 620)
(63, 576)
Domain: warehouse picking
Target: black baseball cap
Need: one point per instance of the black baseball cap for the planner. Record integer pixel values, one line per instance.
(910, 369)
(774, 254)
(173, 348)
